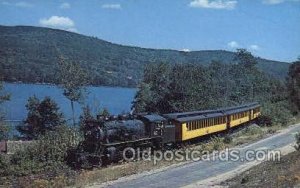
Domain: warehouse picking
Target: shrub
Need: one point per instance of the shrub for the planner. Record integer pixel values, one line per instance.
(4, 164)
(14, 146)
(24, 162)
(278, 112)
(53, 146)
(46, 155)
(4, 131)
(252, 130)
(264, 120)
(227, 139)
(217, 143)
(297, 137)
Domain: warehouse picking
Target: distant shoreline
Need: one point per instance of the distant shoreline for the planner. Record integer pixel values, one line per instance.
(57, 85)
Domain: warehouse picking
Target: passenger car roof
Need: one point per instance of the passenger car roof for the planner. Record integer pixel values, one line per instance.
(197, 115)
(154, 117)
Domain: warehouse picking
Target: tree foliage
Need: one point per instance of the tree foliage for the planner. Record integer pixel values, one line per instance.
(185, 87)
(104, 112)
(73, 80)
(245, 58)
(42, 116)
(293, 81)
(4, 129)
(84, 118)
(3, 96)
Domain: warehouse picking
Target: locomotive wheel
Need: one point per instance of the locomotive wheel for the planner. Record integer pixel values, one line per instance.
(98, 163)
(85, 164)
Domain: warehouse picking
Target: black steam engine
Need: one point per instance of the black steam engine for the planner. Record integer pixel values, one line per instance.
(106, 138)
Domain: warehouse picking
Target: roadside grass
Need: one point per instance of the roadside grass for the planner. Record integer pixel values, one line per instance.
(283, 173)
(250, 134)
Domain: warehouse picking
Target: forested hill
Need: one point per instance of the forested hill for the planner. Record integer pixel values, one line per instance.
(30, 54)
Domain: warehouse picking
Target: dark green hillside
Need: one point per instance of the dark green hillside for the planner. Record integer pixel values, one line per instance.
(30, 54)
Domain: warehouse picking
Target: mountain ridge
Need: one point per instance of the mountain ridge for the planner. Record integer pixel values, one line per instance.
(108, 63)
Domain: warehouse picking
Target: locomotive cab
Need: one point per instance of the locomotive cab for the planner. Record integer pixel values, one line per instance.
(158, 126)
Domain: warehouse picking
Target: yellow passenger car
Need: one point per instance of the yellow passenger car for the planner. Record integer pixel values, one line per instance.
(194, 127)
(190, 125)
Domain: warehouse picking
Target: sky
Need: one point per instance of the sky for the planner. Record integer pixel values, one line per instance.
(268, 28)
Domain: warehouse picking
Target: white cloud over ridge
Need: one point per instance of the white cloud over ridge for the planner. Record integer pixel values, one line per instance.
(65, 6)
(59, 23)
(72, 30)
(214, 4)
(185, 50)
(254, 47)
(233, 44)
(56, 21)
(111, 6)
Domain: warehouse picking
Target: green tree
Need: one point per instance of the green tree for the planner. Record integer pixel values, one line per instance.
(245, 58)
(187, 87)
(189, 83)
(293, 84)
(42, 116)
(3, 96)
(73, 80)
(247, 77)
(143, 98)
(152, 93)
(104, 112)
(85, 118)
(4, 129)
(221, 83)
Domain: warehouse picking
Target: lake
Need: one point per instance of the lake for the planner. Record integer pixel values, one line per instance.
(117, 100)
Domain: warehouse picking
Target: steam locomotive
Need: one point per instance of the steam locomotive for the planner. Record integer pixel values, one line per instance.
(107, 138)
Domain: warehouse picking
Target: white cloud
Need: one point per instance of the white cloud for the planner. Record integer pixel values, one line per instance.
(254, 47)
(186, 50)
(56, 21)
(233, 44)
(275, 2)
(65, 6)
(59, 23)
(72, 30)
(214, 4)
(111, 6)
(18, 4)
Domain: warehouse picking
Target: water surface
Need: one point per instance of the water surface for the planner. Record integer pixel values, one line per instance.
(117, 100)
